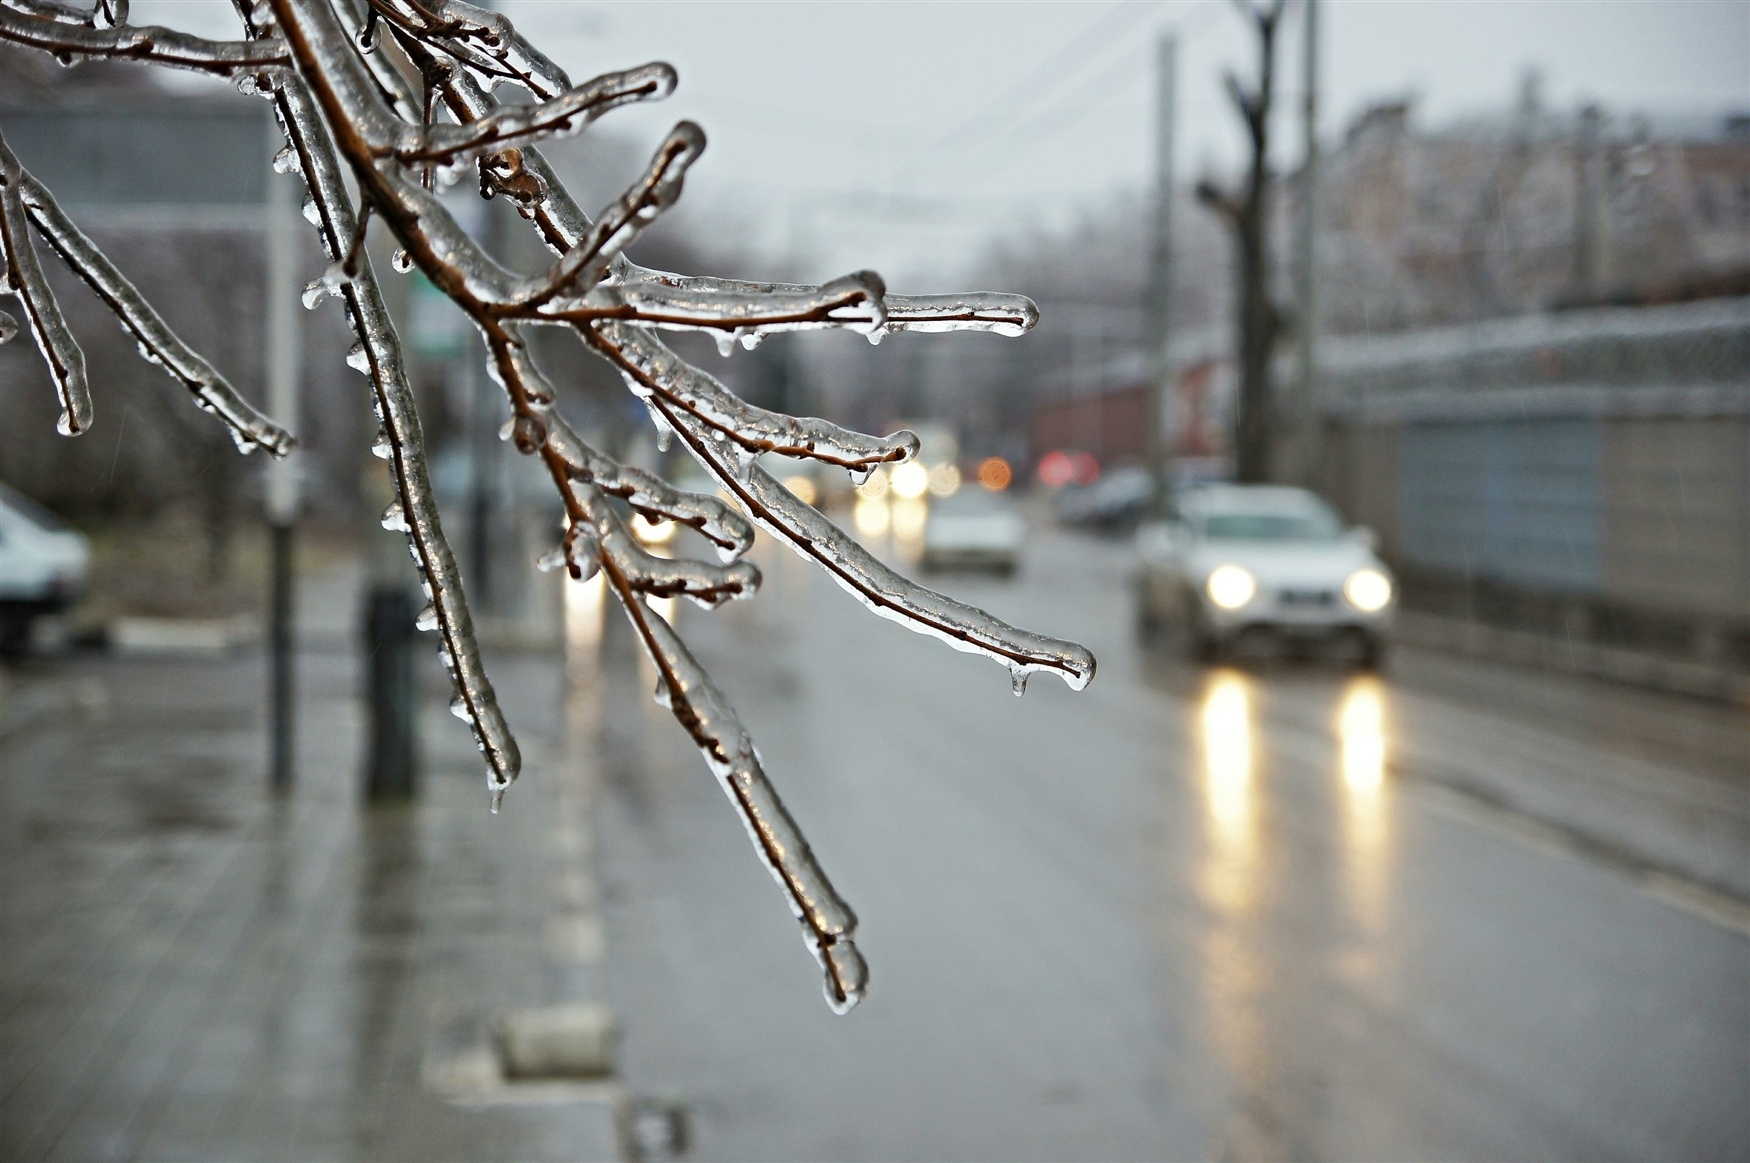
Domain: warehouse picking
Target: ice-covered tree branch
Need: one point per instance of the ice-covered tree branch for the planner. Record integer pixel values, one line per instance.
(25, 202)
(31, 26)
(359, 85)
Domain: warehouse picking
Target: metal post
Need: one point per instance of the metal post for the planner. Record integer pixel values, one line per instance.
(391, 769)
(1306, 414)
(1160, 438)
(483, 452)
(481, 447)
(283, 373)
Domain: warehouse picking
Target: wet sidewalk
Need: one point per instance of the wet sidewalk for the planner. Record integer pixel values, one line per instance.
(195, 968)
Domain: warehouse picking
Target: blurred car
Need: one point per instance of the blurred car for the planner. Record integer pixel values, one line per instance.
(43, 567)
(1254, 560)
(1115, 502)
(974, 530)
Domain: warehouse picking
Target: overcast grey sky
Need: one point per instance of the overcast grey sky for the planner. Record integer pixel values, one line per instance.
(900, 135)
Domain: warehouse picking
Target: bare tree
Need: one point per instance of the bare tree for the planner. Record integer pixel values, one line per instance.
(1258, 321)
(364, 83)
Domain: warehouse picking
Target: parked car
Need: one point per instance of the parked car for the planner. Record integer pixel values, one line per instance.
(43, 567)
(975, 530)
(1251, 562)
(1113, 503)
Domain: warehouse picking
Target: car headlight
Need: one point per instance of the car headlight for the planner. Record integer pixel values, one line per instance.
(1230, 586)
(911, 480)
(1368, 590)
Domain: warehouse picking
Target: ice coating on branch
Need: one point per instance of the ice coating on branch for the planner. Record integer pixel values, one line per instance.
(480, 38)
(587, 263)
(813, 536)
(69, 40)
(399, 442)
(827, 922)
(353, 96)
(157, 343)
(42, 313)
(654, 372)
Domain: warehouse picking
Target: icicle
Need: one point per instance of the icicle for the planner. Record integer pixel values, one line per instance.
(381, 448)
(663, 696)
(459, 708)
(330, 283)
(551, 560)
(582, 551)
(664, 431)
(1018, 680)
(358, 359)
(319, 289)
(497, 799)
(427, 618)
(286, 161)
(65, 425)
(725, 343)
(401, 261)
(752, 338)
(395, 517)
(8, 327)
(507, 430)
(312, 212)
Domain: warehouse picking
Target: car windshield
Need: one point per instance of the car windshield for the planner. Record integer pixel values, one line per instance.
(1310, 526)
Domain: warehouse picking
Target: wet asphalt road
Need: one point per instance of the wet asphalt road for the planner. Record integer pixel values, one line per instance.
(1457, 911)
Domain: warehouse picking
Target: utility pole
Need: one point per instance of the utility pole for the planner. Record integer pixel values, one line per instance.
(1306, 415)
(1588, 190)
(284, 370)
(1160, 287)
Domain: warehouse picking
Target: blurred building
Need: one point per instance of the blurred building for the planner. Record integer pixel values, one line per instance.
(173, 186)
(1502, 214)
(1526, 209)
(1582, 473)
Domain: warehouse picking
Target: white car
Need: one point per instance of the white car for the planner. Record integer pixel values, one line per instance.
(975, 530)
(43, 566)
(1258, 561)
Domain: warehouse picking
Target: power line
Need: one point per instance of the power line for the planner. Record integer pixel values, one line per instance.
(1071, 107)
(1091, 37)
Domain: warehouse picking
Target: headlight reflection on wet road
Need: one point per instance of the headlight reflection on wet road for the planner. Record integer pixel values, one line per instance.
(1227, 750)
(1230, 869)
(1361, 748)
(1361, 734)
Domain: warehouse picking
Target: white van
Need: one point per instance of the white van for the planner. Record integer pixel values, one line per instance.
(43, 567)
